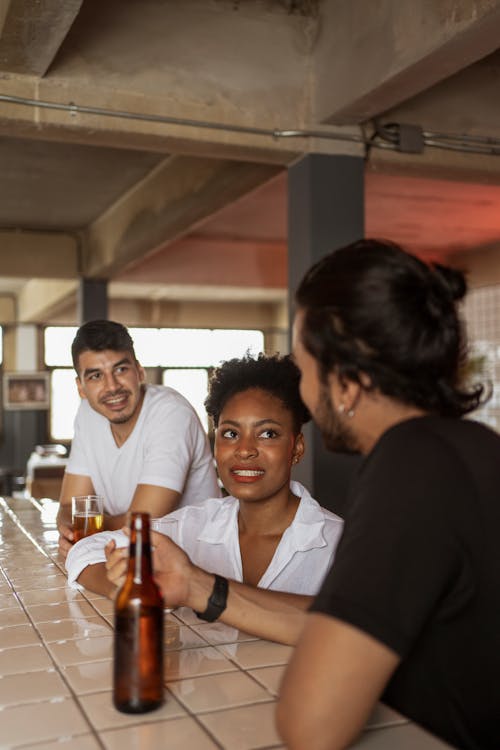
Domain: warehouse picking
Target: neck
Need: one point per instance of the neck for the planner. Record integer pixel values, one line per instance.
(268, 517)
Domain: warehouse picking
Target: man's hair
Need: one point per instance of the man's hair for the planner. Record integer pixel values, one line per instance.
(98, 335)
(276, 375)
(371, 308)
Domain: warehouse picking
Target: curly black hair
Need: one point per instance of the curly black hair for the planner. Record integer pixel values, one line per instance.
(274, 374)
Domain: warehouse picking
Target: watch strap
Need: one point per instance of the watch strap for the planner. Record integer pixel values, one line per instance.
(217, 601)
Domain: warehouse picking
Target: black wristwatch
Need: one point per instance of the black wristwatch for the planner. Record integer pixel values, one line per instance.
(217, 601)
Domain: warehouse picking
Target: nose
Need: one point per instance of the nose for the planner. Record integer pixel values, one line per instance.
(110, 381)
(246, 447)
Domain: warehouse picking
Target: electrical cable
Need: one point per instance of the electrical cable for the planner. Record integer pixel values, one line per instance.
(392, 135)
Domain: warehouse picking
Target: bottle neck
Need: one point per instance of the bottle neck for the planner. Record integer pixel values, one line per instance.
(139, 564)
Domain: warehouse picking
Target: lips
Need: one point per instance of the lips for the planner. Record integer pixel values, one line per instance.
(245, 474)
(117, 401)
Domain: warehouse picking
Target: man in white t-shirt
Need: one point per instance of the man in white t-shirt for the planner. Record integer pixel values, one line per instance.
(140, 446)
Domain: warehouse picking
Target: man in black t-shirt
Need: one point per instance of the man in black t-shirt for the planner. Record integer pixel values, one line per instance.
(410, 610)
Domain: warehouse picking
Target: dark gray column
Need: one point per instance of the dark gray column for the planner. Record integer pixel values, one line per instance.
(92, 300)
(325, 211)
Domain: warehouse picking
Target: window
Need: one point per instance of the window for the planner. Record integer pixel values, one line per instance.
(182, 358)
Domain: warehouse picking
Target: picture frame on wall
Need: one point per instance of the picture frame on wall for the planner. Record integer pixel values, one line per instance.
(26, 390)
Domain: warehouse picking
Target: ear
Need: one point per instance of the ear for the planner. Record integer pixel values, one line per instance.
(141, 371)
(81, 392)
(298, 449)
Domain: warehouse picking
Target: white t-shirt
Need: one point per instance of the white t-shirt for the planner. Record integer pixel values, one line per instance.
(167, 448)
(209, 534)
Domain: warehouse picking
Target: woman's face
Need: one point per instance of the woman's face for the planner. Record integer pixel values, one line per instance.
(255, 445)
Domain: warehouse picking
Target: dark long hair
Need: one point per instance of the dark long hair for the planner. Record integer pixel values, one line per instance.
(372, 308)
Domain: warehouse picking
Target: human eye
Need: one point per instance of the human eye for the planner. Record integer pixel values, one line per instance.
(229, 434)
(94, 376)
(269, 434)
(121, 369)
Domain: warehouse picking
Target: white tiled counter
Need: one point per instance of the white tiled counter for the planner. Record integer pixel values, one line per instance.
(56, 666)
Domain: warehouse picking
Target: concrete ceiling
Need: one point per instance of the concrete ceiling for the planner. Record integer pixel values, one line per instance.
(139, 143)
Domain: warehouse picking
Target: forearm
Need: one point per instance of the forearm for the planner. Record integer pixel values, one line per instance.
(94, 578)
(266, 614)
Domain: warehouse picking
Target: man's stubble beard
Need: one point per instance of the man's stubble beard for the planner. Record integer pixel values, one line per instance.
(337, 436)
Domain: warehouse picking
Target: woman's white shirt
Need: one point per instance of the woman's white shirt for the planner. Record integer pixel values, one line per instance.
(208, 533)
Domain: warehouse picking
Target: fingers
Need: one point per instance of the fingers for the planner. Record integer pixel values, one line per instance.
(116, 563)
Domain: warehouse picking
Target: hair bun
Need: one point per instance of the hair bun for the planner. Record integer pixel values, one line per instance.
(452, 279)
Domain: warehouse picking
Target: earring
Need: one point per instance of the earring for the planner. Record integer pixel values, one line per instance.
(341, 408)
(350, 413)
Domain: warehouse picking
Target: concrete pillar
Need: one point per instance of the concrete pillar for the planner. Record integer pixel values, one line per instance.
(325, 211)
(92, 300)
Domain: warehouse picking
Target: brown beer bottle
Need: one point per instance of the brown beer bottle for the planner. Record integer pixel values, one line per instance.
(138, 651)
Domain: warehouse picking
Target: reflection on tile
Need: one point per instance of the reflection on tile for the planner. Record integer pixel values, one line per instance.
(30, 687)
(24, 659)
(217, 633)
(176, 734)
(408, 736)
(10, 617)
(53, 581)
(83, 742)
(82, 650)
(243, 728)
(195, 661)
(91, 677)
(181, 636)
(8, 599)
(41, 722)
(104, 606)
(50, 596)
(18, 635)
(257, 653)
(59, 630)
(218, 691)
(50, 612)
(270, 677)
(103, 715)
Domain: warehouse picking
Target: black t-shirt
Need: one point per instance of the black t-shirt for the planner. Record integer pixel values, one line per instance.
(418, 568)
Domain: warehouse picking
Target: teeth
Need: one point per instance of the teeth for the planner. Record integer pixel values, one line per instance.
(115, 400)
(248, 473)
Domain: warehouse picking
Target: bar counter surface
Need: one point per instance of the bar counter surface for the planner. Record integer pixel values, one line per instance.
(56, 666)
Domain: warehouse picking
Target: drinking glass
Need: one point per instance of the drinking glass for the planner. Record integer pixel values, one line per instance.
(87, 514)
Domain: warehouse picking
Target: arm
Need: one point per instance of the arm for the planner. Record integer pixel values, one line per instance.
(94, 578)
(343, 672)
(267, 614)
(72, 485)
(158, 501)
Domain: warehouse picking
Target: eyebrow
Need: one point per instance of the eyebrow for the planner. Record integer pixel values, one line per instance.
(259, 423)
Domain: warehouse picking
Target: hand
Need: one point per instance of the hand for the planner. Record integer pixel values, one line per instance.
(116, 563)
(65, 538)
(173, 570)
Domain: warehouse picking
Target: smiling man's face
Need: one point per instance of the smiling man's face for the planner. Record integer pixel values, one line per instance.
(111, 381)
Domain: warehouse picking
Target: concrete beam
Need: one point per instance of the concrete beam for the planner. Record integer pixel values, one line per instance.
(368, 61)
(42, 255)
(176, 195)
(33, 32)
(39, 300)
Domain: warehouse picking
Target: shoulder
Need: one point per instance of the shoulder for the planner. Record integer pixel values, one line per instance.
(165, 398)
